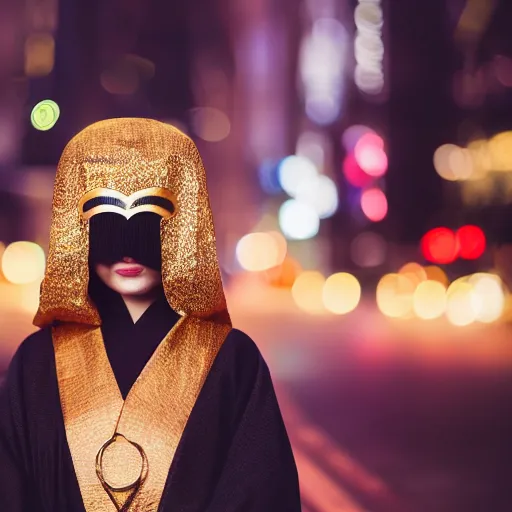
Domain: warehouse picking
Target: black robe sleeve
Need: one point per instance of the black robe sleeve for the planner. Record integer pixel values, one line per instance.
(259, 474)
(16, 492)
(234, 455)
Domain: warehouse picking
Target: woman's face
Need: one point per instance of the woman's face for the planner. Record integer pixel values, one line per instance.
(129, 278)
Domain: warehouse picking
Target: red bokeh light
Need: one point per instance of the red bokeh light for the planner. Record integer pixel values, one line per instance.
(354, 174)
(440, 245)
(471, 240)
(374, 204)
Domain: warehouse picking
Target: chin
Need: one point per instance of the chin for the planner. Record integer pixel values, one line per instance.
(133, 285)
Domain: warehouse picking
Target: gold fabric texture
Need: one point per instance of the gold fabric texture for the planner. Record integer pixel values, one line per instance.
(130, 155)
(93, 408)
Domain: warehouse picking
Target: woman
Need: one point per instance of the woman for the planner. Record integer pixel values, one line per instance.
(137, 394)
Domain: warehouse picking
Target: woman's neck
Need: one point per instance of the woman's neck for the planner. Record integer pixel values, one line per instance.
(138, 304)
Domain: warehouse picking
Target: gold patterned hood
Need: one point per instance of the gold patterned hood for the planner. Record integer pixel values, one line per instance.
(126, 157)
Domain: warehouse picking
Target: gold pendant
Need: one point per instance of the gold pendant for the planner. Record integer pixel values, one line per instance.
(122, 468)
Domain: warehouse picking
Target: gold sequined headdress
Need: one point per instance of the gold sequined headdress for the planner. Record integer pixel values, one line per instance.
(128, 156)
(122, 449)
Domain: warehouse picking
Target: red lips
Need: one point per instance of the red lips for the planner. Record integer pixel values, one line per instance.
(130, 271)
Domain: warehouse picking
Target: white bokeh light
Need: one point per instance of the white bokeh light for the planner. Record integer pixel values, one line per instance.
(322, 64)
(369, 47)
(320, 193)
(293, 171)
(298, 221)
(491, 297)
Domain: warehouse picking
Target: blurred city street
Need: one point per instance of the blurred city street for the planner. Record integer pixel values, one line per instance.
(384, 416)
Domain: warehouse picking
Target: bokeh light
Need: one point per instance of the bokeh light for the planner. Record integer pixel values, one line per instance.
(210, 124)
(352, 135)
(453, 162)
(322, 64)
(471, 241)
(374, 204)
(307, 292)
(370, 80)
(435, 273)
(481, 158)
(440, 245)
(500, 150)
(414, 272)
(354, 174)
(370, 155)
(23, 262)
(39, 54)
(321, 194)
(294, 171)
(30, 297)
(368, 16)
(395, 295)
(429, 300)
(284, 275)
(461, 303)
(260, 251)
(490, 296)
(281, 244)
(368, 250)
(267, 174)
(341, 293)
(369, 47)
(45, 115)
(298, 221)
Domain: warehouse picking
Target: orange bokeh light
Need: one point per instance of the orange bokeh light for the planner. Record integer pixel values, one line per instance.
(284, 275)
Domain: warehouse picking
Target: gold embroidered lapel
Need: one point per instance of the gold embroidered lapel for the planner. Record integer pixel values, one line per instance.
(152, 418)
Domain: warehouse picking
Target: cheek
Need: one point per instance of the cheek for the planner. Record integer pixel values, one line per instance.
(154, 278)
(104, 273)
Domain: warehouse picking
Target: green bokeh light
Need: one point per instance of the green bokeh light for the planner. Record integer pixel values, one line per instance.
(44, 115)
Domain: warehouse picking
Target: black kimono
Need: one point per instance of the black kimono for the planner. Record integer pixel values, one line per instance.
(234, 455)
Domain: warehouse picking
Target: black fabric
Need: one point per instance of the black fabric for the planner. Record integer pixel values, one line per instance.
(234, 455)
(130, 345)
(97, 201)
(156, 201)
(113, 237)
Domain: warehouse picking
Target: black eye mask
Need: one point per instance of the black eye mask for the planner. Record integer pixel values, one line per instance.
(113, 237)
